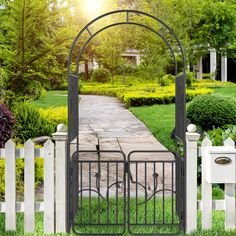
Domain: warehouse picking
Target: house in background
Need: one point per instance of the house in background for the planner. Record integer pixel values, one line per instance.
(91, 65)
(132, 56)
(224, 71)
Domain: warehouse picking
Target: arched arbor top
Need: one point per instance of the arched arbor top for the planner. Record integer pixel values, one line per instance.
(125, 17)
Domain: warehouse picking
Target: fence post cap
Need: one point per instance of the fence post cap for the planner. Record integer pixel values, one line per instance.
(61, 133)
(191, 128)
(61, 128)
(191, 134)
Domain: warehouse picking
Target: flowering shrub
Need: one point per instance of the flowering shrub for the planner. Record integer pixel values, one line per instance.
(7, 122)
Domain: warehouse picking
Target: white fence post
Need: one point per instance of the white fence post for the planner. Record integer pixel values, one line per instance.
(49, 188)
(10, 186)
(60, 138)
(191, 179)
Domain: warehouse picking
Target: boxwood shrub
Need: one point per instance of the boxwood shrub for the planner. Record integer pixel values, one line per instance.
(212, 111)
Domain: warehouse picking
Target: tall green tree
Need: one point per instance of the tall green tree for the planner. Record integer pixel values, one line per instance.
(33, 42)
(217, 25)
(199, 24)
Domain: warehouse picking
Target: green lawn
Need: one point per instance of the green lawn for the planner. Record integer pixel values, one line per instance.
(160, 121)
(160, 118)
(228, 91)
(52, 99)
(218, 221)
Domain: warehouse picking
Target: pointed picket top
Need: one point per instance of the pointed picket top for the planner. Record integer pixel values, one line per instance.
(10, 143)
(48, 143)
(206, 142)
(29, 143)
(229, 142)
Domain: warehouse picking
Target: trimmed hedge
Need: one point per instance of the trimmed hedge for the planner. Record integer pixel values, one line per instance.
(139, 99)
(209, 111)
(141, 94)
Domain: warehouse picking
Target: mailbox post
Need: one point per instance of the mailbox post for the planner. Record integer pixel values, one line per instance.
(218, 166)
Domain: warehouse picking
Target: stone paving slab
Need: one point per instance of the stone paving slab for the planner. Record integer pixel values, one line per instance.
(107, 119)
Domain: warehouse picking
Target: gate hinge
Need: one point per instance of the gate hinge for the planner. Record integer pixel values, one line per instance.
(126, 167)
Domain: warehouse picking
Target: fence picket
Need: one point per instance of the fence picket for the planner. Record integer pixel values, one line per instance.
(206, 190)
(29, 195)
(49, 187)
(10, 186)
(229, 197)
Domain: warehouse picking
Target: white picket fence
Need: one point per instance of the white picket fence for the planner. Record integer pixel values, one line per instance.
(54, 205)
(54, 201)
(10, 206)
(192, 204)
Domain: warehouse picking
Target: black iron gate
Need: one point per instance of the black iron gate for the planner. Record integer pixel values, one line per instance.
(138, 194)
(144, 196)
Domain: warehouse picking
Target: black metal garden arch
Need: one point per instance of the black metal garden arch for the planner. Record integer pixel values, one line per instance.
(158, 27)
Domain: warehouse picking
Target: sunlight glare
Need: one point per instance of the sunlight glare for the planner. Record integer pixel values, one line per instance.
(93, 7)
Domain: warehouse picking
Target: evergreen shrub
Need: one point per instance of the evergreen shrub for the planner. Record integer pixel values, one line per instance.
(101, 75)
(212, 111)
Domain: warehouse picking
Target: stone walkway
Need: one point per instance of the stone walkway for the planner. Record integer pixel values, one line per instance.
(107, 119)
(111, 121)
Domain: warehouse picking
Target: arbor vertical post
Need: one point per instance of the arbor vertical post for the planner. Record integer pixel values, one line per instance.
(60, 138)
(191, 178)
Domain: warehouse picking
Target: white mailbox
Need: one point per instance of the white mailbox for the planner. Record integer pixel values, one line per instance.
(220, 164)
